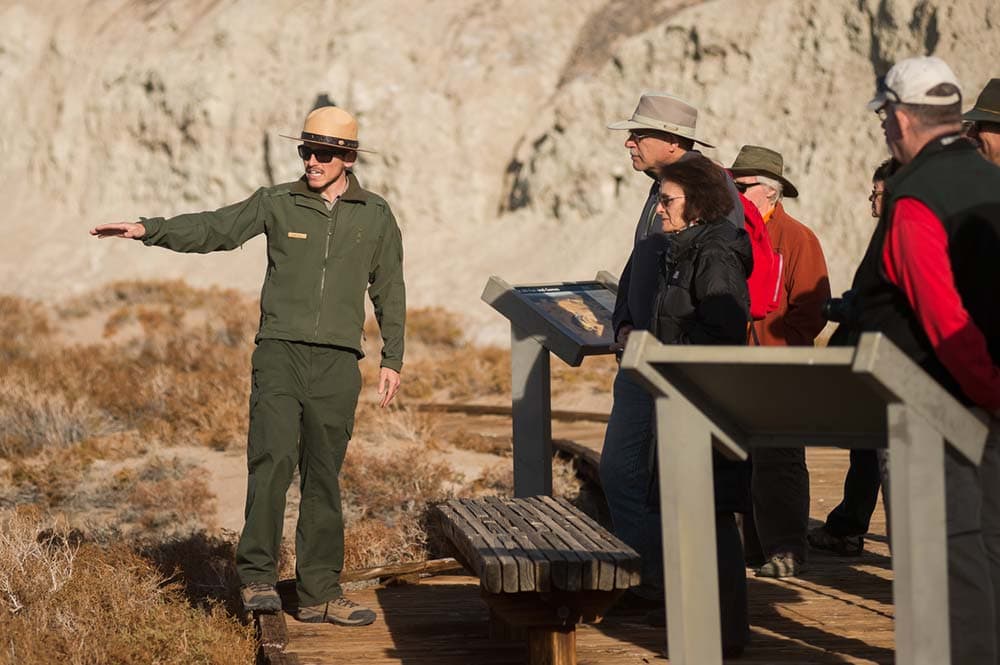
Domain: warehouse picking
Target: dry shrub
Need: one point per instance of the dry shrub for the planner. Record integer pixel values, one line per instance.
(171, 495)
(373, 542)
(492, 444)
(466, 373)
(32, 417)
(395, 425)
(61, 601)
(596, 373)
(499, 480)
(386, 502)
(166, 292)
(389, 485)
(203, 565)
(24, 325)
(434, 326)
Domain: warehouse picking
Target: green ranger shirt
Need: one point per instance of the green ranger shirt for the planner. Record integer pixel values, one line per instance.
(320, 260)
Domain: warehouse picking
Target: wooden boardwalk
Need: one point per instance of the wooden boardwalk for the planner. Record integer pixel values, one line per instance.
(837, 611)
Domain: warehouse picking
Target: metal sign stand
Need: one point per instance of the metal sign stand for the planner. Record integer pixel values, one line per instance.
(736, 398)
(537, 328)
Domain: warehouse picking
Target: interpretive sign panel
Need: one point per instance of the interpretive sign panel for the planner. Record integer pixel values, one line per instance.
(582, 310)
(569, 319)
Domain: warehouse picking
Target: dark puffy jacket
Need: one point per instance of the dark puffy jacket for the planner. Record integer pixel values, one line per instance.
(703, 299)
(702, 296)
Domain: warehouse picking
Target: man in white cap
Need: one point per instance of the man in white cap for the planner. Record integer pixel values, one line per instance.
(928, 281)
(328, 241)
(661, 131)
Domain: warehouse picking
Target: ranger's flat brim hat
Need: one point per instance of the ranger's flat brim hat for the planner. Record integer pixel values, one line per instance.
(757, 160)
(987, 108)
(330, 127)
(663, 113)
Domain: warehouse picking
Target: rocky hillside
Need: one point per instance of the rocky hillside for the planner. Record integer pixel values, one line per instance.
(488, 117)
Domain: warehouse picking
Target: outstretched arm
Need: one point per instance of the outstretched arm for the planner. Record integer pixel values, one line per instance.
(129, 230)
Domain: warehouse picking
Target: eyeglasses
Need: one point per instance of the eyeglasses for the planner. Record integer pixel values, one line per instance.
(742, 187)
(637, 135)
(665, 200)
(974, 128)
(875, 195)
(322, 155)
(883, 112)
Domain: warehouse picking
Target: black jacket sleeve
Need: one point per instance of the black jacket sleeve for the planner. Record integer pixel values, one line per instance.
(721, 300)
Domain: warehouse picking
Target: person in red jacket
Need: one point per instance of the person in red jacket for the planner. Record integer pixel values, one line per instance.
(928, 281)
(780, 485)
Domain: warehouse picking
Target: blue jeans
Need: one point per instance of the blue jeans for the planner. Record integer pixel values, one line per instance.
(625, 477)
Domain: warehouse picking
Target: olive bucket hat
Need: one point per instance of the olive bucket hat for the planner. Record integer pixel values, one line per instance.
(987, 108)
(756, 160)
(331, 127)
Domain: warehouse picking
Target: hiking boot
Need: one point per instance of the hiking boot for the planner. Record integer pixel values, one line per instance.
(782, 564)
(821, 538)
(260, 597)
(341, 611)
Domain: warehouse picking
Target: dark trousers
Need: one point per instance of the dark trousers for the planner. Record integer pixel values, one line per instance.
(779, 487)
(853, 514)
(302, 403)
(732, 581)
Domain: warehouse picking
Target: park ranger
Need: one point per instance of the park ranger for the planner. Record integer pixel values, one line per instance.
(328, 241)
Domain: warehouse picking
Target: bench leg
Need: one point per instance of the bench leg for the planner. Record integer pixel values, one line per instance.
(502, 631)
(552, 645)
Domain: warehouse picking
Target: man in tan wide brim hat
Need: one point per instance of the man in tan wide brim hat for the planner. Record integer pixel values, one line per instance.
(329, 241)
(661, 131)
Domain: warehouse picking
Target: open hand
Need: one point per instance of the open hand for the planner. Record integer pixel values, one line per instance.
(119, 230)
(388, 385)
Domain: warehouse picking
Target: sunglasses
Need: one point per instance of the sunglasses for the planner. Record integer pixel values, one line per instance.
(742, 187)
(322, 155)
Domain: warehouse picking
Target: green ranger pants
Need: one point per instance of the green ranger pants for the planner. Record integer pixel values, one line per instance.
(302, 403)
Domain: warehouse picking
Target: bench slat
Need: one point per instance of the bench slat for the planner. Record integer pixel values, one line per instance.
(626, 562)
(577, 558)
(472, 543)
(564, 563)
(513, 560)
(603, 569)
(533, 544)
(590, 568)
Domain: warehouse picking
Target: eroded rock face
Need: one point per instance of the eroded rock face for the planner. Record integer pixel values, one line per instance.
(489, 120)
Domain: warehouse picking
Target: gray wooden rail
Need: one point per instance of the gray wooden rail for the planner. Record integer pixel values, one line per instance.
(542, 564)
(736, 398)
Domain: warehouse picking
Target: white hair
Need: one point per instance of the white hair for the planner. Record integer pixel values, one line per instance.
(775, 185)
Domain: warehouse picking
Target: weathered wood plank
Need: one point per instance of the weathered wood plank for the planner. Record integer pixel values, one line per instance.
(606, 562)
(564, 546)
(500, 563)
(470, 545)
(564, 563)
(515, 565)
(533, 565)
(627, 561)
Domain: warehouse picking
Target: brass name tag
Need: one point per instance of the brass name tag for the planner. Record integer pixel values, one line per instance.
(301, 236)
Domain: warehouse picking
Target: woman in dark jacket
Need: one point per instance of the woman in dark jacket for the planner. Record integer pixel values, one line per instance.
(703, 299)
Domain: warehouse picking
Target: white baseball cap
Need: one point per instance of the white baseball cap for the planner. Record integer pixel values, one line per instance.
(911, 80)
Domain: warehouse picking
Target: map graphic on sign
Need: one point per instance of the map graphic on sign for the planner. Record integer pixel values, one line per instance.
(583, 310)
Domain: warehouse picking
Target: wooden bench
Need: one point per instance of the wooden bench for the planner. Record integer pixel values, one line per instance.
(543, 566)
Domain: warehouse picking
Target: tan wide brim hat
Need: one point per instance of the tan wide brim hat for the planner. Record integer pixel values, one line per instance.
(755, 160)
(987, 108)
(663, 113)
(330, 127)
